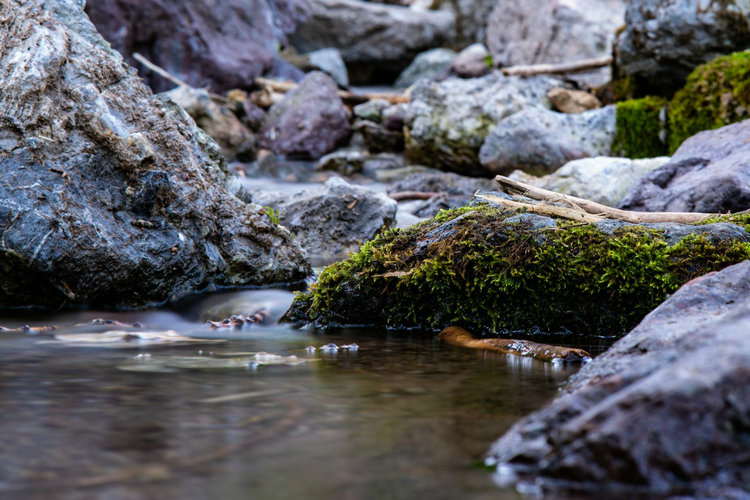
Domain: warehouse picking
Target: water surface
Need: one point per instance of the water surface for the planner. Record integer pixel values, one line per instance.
(404, 416)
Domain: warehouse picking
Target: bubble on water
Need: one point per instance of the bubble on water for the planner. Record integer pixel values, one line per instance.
(330, 348)
(350, 347)
(310, 349)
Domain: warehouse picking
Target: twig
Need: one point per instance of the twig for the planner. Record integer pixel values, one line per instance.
(597, 209)
(564, 212)
(168, 76)
(347, 97)
(569, 67)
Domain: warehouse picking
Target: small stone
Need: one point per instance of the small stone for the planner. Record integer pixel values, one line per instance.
(572, 101)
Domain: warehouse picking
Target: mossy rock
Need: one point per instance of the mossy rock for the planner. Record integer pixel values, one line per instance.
(715, 94)
(494, 270)
(640, 129)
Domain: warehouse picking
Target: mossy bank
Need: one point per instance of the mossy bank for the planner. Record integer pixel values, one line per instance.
(494, 270)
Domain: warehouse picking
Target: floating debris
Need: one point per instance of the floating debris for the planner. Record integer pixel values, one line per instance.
(28, 329)
(238, 321)
(120, 338)
(166, 364)
(109, 322)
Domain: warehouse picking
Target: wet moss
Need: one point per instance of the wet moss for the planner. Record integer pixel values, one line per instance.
(640, 131)
(715, 94)
(479, 269)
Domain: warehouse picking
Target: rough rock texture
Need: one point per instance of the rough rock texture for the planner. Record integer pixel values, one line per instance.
(530, 271)
(309, 121)
(541, 141)
(335, 219)
(381, 125)
(447, 122)
(233, 137)
(472, 62)
(664, 411)
(665, 39)
(708, 173)
(109, 195)
(376, 41)
(221, 46)
(426, 66)
(549, 31)
(452, 190)
(601, 179)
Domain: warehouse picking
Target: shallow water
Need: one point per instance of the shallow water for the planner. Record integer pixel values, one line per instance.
(404, 416)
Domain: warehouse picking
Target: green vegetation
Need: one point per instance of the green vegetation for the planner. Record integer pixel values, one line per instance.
(640, 130)
(272, 214)
(479, 269)
(715, 94)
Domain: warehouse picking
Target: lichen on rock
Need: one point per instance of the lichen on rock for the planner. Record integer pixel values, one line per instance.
(495, 270)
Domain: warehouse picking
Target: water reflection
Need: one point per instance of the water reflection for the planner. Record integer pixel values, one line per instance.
(401, 416)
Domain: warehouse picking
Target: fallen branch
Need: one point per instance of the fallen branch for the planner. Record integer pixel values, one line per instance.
(347, 97)
(543, 208)
(411, 195)
(170, 77)
(597, 209)
(458, 336)
(552, 69)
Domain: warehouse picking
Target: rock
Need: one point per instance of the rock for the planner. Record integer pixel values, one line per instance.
(309, 121)
(572, 101)
(708, 173)
(111, 196)
(447, 122)
(663, 412)
(330, 62)
(376, 41)
(344, 162)
(381, 125)
(601, 179)
(529, 271)
(334, 220)
(664, 40)
(471, 20)
(541, 141)
(553, 31)
(206, 45)
(452, 190)
(428, 65)
(234, 139)
(472, 62)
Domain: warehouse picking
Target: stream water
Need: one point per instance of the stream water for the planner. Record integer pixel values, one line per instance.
(402, 416)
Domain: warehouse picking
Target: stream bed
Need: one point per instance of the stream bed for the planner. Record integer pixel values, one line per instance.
(398, 416)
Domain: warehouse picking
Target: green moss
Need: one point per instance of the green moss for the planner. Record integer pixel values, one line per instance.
(471, 267)
(638, 130)
(715, 94)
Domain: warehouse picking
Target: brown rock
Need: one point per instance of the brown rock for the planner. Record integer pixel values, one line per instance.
(572, 101)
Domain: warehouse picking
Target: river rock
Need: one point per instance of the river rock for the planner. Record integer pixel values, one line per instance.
(553, 31)
(447, 122)
(381, 125)
(309, 121)
(330, 62)
(376, 41)
(471, 20)
(538, 140)
(334, 220)
(451, 190)
(664, 40)
(602, 179)
(472, 62)
(233, 137)
(708, 173)
(663, 412)
(428, 65)
(109, 195)
(207, 44)
(572, 101)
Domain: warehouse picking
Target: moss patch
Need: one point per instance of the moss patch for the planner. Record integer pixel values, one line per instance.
(638, 130)
(478, 269)
(715, 94)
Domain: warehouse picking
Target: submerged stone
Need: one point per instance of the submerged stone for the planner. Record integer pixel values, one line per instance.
(492, 270)
(108, 194)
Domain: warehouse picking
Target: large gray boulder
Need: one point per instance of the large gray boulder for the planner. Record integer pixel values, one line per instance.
(664, 40)
(309, 121)
(602, 179)
(553, 31)
(333, 220)
(109, 195)
(664, 412)
(376, 41)
(708, 173)
(447, 122)
(220, 45)
(540, 141)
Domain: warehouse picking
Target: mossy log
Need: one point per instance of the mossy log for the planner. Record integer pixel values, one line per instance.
(496, 270)
(458, 336)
